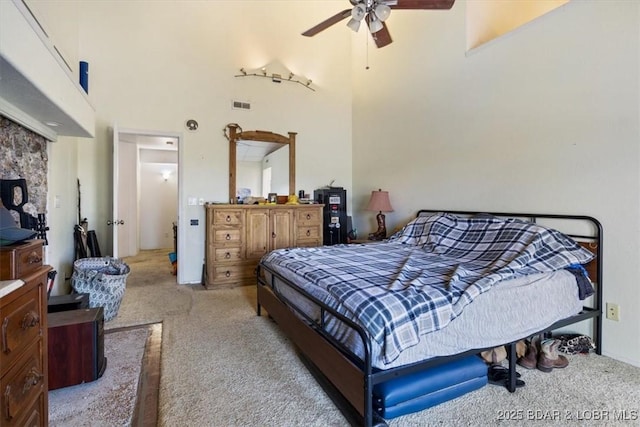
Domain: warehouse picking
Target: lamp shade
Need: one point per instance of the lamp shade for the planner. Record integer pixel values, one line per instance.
(379, 202)
(358, 12)
(354, 24)
(382, 11)
(375, 24)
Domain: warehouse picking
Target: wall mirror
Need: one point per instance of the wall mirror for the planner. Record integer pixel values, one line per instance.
(273, 170)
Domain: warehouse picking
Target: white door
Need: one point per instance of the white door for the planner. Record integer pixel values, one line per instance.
(114, 222)
(124, 221)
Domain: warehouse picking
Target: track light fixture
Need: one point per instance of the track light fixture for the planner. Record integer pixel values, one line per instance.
(277, 77)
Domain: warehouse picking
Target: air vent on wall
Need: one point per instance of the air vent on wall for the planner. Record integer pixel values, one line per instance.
(239, 105)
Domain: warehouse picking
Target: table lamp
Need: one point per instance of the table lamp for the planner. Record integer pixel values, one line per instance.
(379, 202)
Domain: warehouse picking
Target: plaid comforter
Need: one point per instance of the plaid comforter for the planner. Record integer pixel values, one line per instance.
(416, 284)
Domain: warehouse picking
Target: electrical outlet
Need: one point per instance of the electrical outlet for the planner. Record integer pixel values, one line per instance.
(613, 311)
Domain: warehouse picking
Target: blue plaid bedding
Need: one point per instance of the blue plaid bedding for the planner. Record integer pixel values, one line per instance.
(419, 281)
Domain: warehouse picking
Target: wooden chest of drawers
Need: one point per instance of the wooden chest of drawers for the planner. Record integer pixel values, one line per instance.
(23, 338)
(21, 259)
(237, 236)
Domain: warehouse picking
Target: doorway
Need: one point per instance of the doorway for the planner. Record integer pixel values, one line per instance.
(147, 188)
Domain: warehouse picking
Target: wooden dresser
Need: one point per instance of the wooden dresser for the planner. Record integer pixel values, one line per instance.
(23, 335)
(237, 236)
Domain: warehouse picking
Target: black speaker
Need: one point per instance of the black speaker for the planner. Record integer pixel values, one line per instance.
(334, 214)
(75, 347)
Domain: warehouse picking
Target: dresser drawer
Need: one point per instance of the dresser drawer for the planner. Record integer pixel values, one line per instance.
(228, 254)
(20, 324)
(18, 260)
(311, 232)
(308, 216)
(232, 273)
(227, 217)
(230, 235)
(23, 385)
(36, 415)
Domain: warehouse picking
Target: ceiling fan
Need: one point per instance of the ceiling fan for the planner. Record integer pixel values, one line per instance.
(374, 13)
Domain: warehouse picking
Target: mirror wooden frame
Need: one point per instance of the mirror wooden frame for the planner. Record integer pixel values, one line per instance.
(235, 134)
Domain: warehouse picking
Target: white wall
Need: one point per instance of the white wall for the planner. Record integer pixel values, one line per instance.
(249, 175)
(489, 19)
(62, 210)
(154, 67)
(544, 119)
(158, 205)
(279, 163)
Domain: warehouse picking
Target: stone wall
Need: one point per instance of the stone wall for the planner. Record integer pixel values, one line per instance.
(23, 154)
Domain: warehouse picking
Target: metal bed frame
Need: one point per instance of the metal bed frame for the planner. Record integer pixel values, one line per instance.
(348, 379)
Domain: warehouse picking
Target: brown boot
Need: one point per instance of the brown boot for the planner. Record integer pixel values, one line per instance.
(549, 357)
(530, 359)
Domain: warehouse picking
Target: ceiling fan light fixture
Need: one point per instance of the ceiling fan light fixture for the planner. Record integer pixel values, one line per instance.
(382, 12)
(354, 25)
(358, 12)
(375, 25)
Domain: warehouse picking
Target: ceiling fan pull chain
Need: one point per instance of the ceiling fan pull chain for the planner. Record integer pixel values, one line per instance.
(367, 52)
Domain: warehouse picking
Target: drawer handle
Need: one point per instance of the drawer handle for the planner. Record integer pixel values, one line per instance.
(308, 233)
(228, 218)
(228, 273)
(5, 343)
(31, 380)
(228, 236)
(7, 399)
(34, 258)
(273, 235)
(227, 255)
(308, 216)
(30, 320)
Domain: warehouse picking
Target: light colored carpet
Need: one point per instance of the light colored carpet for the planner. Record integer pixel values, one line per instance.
(224, 366)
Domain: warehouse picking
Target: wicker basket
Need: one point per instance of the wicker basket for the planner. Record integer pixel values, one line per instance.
(104, 279)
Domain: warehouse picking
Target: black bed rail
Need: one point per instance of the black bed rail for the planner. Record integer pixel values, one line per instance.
(364, 364)
(325, 310)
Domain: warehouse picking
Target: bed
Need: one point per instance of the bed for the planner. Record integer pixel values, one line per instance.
(446, 286)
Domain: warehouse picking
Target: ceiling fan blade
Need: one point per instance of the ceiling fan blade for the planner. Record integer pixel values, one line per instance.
(327, 23)
(382, 37)
(423, 4)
